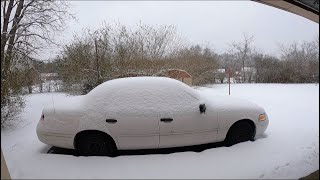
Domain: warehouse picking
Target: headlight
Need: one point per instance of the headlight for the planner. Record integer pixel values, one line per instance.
(262, 117)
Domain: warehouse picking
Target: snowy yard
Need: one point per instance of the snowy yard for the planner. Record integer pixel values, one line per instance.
(290, 148)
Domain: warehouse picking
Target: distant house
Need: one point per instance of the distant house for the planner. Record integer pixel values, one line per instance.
(177, 74)
(49, 82)
(220, 71)
(219, 75)
(250, 74)
(49, 76)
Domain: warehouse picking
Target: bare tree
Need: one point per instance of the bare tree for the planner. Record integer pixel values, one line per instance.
(299, 63)
(198, 61)
(27, 26)
(111, 51)
(303, 61)
(242, 51)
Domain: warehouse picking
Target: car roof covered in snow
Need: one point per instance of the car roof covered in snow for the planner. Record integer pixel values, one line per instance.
(140, 83)
(141, 92)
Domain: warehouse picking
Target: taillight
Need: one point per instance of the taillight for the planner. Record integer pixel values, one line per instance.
(42, 117)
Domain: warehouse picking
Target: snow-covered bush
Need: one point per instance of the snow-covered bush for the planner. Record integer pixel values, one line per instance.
(10, 107)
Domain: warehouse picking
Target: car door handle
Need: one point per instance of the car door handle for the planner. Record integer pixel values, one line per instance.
(166, 119)
(111, 121)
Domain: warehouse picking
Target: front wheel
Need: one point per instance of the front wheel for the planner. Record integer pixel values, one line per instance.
(239, 132)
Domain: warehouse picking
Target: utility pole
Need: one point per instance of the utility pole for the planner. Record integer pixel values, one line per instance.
(229, 74)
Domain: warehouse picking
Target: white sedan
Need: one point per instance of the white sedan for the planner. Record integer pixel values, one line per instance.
(147, 113)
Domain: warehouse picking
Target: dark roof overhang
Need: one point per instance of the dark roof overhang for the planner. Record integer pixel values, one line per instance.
(305, 8)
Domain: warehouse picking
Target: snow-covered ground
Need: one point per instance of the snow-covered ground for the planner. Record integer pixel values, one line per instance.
(289, 150)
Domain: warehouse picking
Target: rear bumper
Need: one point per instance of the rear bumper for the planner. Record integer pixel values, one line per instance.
(54, 138)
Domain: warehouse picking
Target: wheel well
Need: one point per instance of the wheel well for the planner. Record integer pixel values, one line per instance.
(247, 121)
(87, 132)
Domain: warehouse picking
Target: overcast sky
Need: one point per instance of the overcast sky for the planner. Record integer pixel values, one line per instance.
(217, 23)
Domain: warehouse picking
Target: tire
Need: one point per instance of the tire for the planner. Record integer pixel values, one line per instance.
(239, 132)
(95, 144)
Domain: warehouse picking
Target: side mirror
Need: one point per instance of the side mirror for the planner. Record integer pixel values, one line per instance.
(202, 108)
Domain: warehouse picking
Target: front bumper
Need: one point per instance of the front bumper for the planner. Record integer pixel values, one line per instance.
(261, 126)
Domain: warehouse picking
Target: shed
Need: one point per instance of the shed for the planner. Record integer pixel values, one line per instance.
(177, 74)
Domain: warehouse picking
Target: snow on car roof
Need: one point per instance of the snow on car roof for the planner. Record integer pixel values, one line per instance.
(139, 92)
(141, 83)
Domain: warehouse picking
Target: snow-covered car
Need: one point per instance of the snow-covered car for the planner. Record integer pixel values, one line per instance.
(147, 113)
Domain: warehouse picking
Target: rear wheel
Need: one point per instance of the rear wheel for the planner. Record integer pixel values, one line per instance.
(94, 144)
(239, 132)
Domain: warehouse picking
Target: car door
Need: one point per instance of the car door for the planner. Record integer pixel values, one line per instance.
(182, 124)
(137, 125)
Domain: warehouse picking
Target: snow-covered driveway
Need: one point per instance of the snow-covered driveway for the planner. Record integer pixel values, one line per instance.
(289, 150)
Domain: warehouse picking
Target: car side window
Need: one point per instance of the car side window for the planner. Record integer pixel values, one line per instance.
(152, 97)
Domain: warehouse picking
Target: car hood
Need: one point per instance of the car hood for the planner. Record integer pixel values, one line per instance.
(231, 103)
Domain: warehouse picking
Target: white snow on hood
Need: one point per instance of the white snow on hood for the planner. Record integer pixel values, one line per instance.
(230, 103)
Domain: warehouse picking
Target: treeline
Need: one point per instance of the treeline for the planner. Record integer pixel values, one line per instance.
(113, 51)
(298, 63)
(110, 52)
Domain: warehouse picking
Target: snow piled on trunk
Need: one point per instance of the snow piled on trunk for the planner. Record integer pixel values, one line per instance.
(289, 150)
